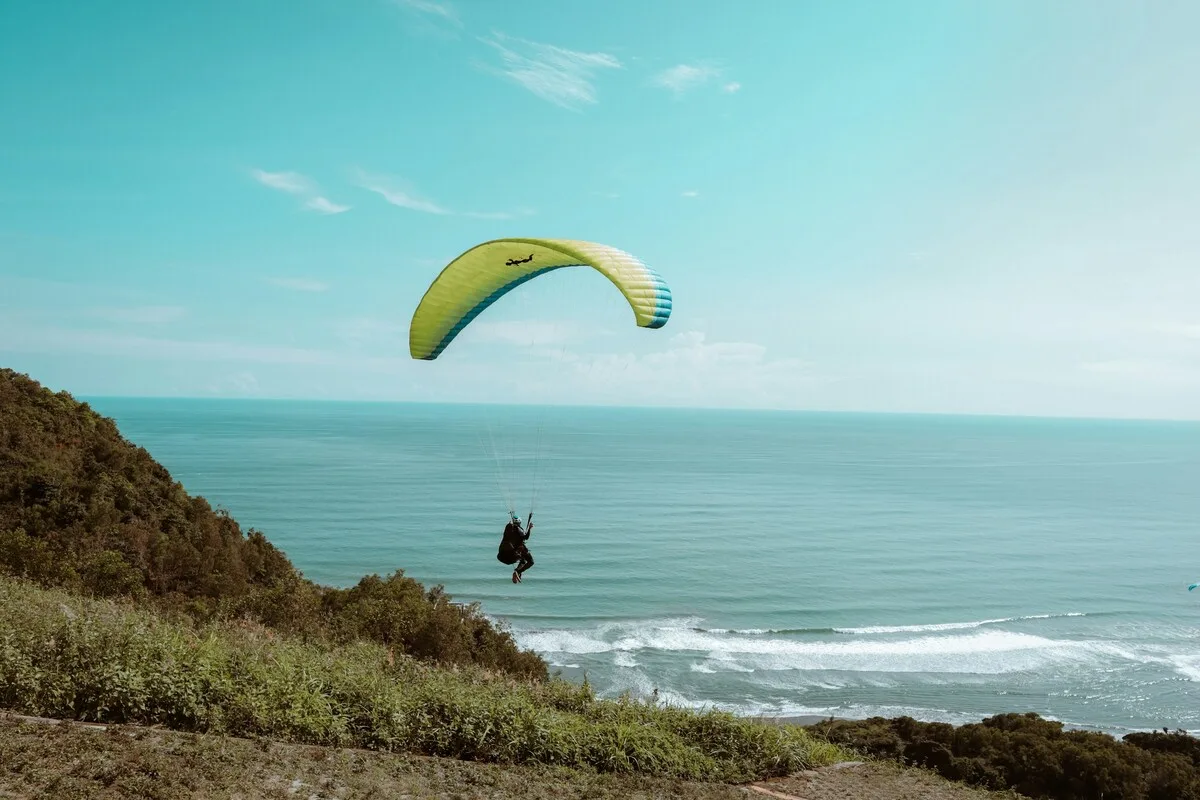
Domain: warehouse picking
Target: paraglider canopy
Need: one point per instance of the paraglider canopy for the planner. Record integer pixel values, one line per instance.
(486, 272)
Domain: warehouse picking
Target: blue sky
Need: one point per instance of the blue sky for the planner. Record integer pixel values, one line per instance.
(985, 207)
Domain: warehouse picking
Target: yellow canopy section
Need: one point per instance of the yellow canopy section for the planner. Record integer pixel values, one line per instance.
(486, 272)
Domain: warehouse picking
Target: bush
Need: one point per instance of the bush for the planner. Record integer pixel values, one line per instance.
(1033, 756)
(83, 509)
(109, 661)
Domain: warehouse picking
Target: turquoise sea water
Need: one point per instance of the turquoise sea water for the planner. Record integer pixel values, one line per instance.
(948, 568)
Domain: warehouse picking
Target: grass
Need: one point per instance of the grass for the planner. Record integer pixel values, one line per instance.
(67, 762)
(67, 657)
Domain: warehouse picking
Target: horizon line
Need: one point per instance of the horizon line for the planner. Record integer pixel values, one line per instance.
(636, 407)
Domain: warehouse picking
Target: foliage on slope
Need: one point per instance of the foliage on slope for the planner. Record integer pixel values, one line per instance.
(84, 509)
(1033, 756)
(65, 657)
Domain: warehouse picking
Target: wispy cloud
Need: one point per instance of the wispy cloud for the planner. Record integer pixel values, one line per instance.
(692, 347)
(301, 186)
(237, 384)
(299, 284)
(731, 87)
(1153, 370)
(690, 193)
(392, 190)
(364, 332)
(440, 10)
(561, 76)
(400, 193)
(691, 370)
(106, 343)
(291, 182)
(1179, 329)
(521, 333)
(325, 206)
(19, 338)
(684, 77)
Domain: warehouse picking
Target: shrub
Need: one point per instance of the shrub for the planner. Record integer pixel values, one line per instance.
(1033, 756)
(110, 661)
(83, 509)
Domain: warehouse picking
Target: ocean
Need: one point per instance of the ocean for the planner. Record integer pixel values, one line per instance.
(782, 564)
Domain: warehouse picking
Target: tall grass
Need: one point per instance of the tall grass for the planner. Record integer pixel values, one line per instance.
(69, 657)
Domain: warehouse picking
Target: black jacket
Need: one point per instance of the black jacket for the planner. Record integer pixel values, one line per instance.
(513, 535)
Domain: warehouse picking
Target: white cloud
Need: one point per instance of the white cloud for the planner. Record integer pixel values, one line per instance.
(300, 185)
(399, 193)
(690, 193)
(543, 364)
(1145, 370)
(141, 315)
(1113, 367)
(325, 206)
(237, 384)
(690, 348)
(442, 10)
(360, 332)
(731, 87)
(300, 284)
(78, 341)
(561, 76)
(692, 371)
(390, 189)
(527, 334)
(105, 343)
(683, 77)
(1180, 329)
(290, 182)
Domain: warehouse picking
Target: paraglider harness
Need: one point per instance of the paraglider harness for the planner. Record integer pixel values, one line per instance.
(512, 545)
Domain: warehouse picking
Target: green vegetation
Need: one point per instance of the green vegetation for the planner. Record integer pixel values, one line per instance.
(83, 509)
(127, 601)
(1033, 756)
(95, 659)
(45, 759)
(123, 763)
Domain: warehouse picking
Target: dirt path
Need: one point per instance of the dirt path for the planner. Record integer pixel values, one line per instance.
(870, 781)
(48, 759)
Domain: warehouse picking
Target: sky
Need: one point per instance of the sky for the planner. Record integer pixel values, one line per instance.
(936, 206)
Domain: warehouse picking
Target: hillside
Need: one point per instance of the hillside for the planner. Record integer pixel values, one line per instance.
(126, 601)
(99, 660)
(84, 509)
(57, 760)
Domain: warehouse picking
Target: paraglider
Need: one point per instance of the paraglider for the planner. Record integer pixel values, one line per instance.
(485, 273)
(513, 549)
